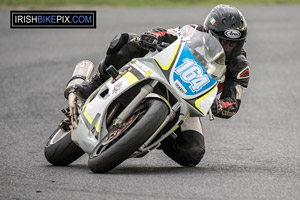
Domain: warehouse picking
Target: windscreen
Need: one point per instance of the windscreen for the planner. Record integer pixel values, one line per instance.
(206, 49)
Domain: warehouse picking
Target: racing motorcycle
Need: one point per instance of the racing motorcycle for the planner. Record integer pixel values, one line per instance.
(141, 104)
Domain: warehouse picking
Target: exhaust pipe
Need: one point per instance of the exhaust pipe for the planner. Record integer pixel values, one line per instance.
(82, 72)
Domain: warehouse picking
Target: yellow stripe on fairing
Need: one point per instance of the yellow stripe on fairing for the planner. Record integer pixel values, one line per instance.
(148, 73)
(172, 58)
(97, 127)
(131, 78)
(203, 97)
(90, 120)
(88, 116)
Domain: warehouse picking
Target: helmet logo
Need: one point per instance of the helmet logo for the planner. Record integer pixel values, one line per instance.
(231, 33)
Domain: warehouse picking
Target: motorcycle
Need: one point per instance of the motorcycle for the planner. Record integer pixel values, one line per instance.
(141, 104)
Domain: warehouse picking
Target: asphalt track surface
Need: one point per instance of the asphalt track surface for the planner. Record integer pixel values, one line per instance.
(253, 155)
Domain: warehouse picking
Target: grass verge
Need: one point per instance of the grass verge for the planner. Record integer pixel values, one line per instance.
(136, 3)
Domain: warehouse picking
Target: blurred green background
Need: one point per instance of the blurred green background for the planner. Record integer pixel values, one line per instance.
(137, 3)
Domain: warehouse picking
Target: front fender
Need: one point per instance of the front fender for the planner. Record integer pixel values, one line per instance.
(156, 96)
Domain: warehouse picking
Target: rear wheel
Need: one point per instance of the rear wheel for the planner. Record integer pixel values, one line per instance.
(60, 150)
(123, 143)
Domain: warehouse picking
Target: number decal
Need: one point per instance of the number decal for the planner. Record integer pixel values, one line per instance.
(191, 73)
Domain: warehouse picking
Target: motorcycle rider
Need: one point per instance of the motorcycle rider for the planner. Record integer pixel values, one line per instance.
(229, 26)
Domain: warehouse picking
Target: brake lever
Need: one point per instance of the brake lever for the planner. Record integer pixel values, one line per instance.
(211, 116)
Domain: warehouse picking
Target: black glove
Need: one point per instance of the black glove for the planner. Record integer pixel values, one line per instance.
(216, 107)
(224, 108)
(150, 39)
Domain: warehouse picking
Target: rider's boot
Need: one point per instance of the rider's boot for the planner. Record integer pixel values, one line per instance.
(85, 89)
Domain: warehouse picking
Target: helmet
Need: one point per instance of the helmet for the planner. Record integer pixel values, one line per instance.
(227, 24)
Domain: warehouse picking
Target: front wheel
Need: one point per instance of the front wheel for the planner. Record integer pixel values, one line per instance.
(107, 156)
(60, 150)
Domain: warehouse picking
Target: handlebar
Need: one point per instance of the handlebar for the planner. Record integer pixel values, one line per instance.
(161, 46)
(152, 46)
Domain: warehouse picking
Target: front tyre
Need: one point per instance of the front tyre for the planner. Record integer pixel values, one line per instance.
(60, 150)
(104, 158)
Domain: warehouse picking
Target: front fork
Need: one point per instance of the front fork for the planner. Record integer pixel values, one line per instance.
(123, 116)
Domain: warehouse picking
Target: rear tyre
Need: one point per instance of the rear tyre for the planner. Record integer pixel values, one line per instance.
(60, 150)
(104, 158)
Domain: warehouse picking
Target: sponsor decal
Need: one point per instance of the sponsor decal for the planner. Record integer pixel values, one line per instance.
(212, 21)
(231, 33)
(131, 78)
(117, 87)
(180, 87)
(53, 19)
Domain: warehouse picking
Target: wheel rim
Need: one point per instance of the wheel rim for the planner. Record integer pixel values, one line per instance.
(58, 135)
(128, 124)
(116, 133)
